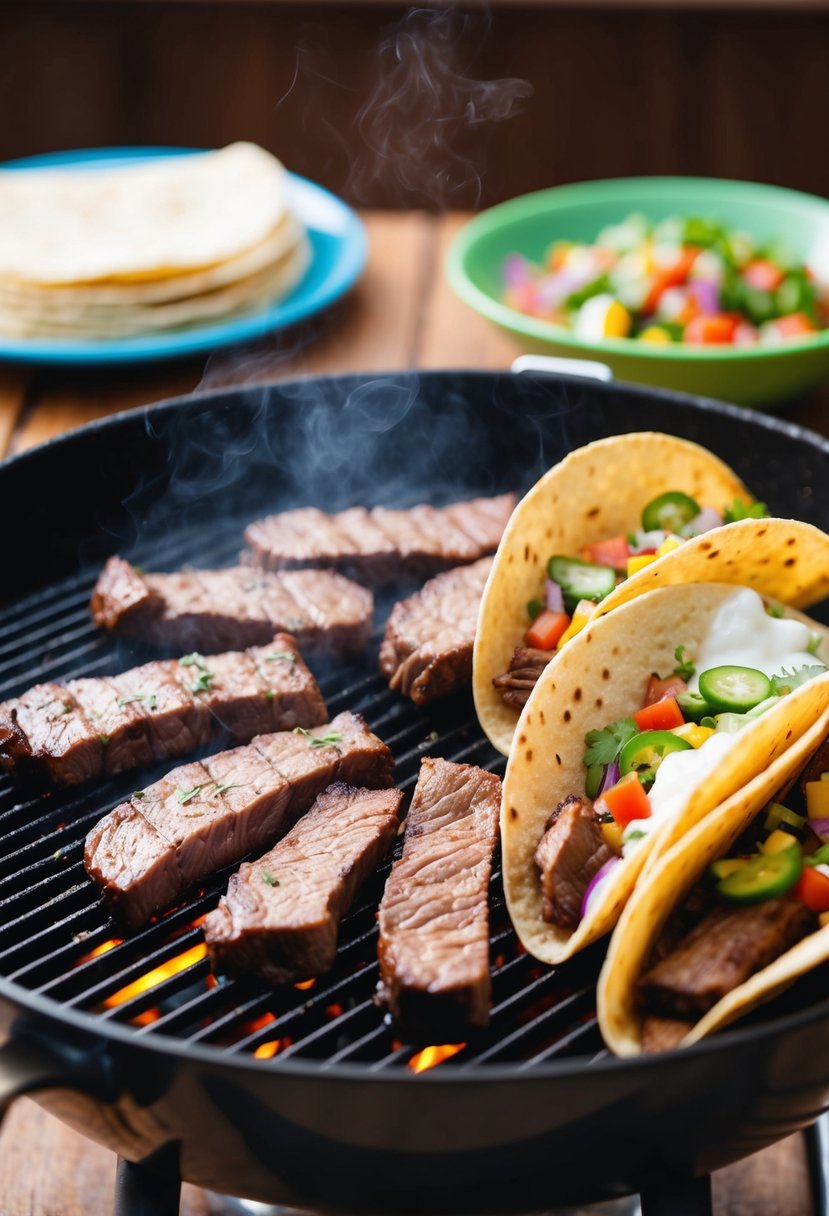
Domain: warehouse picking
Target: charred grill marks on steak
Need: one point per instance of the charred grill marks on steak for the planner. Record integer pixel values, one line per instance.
(214, 610)
(89, 727)
(434, 919)
(722, 951)
(380, 545)
(202, 817)
(281, 914)
(525, 668)
(427, 649)
(569, 854)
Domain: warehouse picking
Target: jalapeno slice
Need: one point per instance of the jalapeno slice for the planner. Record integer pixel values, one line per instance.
(581, 580)
(669, 512)
(732, 689)
(694, 707)
(644, 753)
(763, 877)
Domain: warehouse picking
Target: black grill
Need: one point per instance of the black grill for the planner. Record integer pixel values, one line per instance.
(57, 939)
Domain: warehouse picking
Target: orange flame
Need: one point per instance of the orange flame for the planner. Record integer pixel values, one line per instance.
(99, 950)
(430, 1057)
(266, 1051)
(157, 976)
(304, 985)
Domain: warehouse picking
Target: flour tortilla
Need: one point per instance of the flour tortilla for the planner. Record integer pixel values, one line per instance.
(667, 883)
(138, 222)
(596, 492)
(601, 676)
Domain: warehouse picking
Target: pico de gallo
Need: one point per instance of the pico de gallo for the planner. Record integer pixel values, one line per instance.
(691, 280)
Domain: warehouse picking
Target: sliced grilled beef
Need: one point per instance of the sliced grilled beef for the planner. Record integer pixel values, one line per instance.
(663, 1034)
(212, 610)
(568, 855)
(205, 816)
(722, 951)
(434, 918)
(525, 667)
(88, 727)
(379, 546)
(281, 914)
(427, 649)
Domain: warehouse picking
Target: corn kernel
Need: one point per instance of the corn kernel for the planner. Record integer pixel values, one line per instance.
(617, 321)
(817, 799)
(639, 561)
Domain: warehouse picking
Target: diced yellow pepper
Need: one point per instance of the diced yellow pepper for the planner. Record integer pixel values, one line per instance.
(655, 334)
(612, 833)
(639, 561)
(576, 625)
(617, 321)
(668, 545)
(693, 733)
(823, 919)
(778, 842)
(817, 799)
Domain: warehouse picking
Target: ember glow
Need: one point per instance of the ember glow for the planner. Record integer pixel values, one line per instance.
(430, 1057)
(305, 985)
(104, 948)
(266, 1051)
(157, 976)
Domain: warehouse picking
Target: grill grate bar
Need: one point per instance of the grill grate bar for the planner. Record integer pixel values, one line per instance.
(563, 1046)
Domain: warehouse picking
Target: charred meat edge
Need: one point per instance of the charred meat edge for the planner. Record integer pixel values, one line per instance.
(569, 854)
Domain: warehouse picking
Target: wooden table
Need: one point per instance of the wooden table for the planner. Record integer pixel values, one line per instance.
(402, 315)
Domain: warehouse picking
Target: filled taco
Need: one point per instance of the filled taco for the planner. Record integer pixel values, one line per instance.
(647, 721)
(735, 911)
(613, 519)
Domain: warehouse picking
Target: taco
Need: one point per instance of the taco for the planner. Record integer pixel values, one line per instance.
(613, 519)
(733, 913)
(647, 721)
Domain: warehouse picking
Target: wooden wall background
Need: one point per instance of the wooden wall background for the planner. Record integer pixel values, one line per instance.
(396, 111)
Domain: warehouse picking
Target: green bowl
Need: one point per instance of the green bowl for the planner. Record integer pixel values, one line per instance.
(761, 375)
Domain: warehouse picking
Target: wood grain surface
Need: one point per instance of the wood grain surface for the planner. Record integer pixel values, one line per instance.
(401, 315)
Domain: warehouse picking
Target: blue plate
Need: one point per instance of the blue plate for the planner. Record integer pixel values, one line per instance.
(338, 257)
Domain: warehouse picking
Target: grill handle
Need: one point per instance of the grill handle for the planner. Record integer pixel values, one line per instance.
(553, 365)
(30, 1062)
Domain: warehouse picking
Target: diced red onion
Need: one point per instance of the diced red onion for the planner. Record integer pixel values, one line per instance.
(707, 519)
(517, 271)
(820, 827)
(553, 596)
(601, 873)
(707, 295)
(554, 289)
(647, 540)
(611, 776)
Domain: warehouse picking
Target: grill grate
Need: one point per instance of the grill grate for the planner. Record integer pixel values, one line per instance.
(57, 940)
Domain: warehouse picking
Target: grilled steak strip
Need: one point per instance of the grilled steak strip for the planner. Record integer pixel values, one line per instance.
(663, 1034)
(379, 546)
(525, 668)
(202, 817)
(434, 918)
(213, 610)
(281, 914)
(90, 727)
(569, 854)
(427, 649)
(721, 952)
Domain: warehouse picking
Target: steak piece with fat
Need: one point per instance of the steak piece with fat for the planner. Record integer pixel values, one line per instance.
(380, 545)
(434, 917)
(427, 648)
(212, 610)
(87, 728)
(281, 915)
(571, 851)
(208, 815)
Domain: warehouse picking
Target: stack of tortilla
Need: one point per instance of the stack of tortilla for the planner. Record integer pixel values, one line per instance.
(90, 254)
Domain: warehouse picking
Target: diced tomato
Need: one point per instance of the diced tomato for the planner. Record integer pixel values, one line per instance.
(763, 275)
(717, 329)
(661, 715)
(546, 629)
(812, 889)
(611, 552)
(793, 324)
(657, 689)
(669, 276)
(626, 800)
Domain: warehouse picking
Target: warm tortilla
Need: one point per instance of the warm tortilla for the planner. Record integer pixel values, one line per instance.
(596, 492)
(598, 678)
(136, 222)
(672, 876)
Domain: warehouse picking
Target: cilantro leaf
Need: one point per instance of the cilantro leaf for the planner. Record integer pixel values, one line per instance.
(327, 740)
(269, 879)
(603, 746)
(739, 509)
(787, 681)
(185, 795)
(684, 667)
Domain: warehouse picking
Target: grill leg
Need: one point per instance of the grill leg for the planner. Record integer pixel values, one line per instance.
(140, 1191)
(677, 1195)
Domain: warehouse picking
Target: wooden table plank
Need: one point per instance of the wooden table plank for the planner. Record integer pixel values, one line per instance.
(14, 384)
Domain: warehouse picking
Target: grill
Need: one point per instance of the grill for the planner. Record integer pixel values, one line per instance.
(243, 1088)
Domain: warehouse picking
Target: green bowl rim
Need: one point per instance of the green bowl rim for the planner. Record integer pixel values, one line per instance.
(573, 192)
